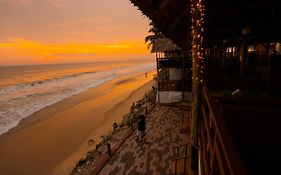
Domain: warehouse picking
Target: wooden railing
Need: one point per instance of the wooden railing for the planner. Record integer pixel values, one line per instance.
(182, 153)
(218, 155)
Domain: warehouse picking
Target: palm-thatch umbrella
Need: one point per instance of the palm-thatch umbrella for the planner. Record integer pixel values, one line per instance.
(164, 45)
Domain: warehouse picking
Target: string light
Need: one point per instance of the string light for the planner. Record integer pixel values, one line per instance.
(197, 13)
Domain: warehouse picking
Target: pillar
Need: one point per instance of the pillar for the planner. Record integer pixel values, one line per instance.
(197, 12)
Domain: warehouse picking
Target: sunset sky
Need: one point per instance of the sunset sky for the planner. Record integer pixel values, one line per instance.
(57, 31)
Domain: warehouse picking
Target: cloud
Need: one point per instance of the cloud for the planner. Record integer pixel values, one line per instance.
(16, 3)
(4, 44)
(98, 24)
(47, 50)
(108, 29)
(57, 3)
(20, 2)
(100, 20)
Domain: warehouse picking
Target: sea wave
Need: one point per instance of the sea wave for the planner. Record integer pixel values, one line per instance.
(17, 87)
(21, 100)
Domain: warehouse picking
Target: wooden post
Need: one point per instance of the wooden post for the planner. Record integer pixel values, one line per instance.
(109, 149)
(182, 77)
(184, 166)
(157, 71)
(197, 56)
(146, 110)
(176, 167)
(158, 76)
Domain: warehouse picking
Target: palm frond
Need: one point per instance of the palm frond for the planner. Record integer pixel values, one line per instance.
(155, 33)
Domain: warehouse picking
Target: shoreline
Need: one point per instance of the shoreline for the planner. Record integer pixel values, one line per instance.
(97, 158)
(57, 124)
(104, 130)
(20, 100)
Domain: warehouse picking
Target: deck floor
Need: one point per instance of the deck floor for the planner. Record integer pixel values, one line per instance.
(154, 155)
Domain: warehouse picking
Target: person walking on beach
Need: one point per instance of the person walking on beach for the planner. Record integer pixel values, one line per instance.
(141, 128)
(133, 108)
(115, 126)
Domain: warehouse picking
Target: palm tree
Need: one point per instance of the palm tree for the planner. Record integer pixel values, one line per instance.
(155, 34)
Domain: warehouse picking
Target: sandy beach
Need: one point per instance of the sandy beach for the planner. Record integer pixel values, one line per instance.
(52, 140)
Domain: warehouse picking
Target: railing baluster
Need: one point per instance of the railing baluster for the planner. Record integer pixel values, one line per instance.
(181, 158)
(221, 147)
(176, 167)
(184, 165)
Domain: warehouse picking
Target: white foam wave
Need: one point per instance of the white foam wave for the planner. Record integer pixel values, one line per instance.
(20, 101)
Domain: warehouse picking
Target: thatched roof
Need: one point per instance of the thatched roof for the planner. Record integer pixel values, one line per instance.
(164, 45)
(170, 16)
(224, 19)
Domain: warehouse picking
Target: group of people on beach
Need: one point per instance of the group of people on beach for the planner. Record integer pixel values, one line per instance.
(141, 117)
(141, 128)
(141, 125)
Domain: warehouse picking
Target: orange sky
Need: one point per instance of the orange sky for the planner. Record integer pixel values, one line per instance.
(56, 31)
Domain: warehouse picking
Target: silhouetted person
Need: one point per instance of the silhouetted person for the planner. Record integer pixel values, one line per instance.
(141, 128)
(133, 108)
(115, 126)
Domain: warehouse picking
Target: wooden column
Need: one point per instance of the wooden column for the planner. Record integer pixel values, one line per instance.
(183, 75)
(158, 77)
(197, 58)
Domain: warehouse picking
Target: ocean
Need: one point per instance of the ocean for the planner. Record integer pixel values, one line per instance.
(27, 89)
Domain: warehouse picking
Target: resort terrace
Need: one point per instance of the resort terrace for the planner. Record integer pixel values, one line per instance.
(230, 127)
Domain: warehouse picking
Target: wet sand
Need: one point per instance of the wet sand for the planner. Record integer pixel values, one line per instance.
(53, 139)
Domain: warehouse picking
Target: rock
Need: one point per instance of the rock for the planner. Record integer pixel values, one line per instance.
(91, 141)
(81, 162)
